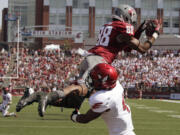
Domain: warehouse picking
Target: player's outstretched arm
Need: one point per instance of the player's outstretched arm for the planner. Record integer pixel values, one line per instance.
(152, 33)
(84, 118)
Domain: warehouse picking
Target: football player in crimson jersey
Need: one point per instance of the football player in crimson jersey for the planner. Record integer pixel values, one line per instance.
(115, 36)
(107, 101)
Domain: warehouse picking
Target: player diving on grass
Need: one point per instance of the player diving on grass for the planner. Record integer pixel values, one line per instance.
(113, 37)
(30, 96)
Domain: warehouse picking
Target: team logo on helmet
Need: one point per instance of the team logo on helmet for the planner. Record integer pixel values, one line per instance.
(103, 76)
(125, 13)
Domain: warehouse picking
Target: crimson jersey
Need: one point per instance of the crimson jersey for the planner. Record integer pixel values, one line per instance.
(107, 45)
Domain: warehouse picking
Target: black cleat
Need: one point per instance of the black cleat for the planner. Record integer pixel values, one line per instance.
(21, 104)
(18, 108)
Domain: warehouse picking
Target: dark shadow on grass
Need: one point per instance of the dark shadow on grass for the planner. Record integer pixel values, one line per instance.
(56, 114)
(54, 119)
(49, 117)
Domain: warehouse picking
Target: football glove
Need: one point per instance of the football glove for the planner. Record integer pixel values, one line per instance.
(140, 29)
(74, 115)
(152, 27)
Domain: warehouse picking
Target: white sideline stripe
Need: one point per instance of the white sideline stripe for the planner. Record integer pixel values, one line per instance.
(79, 127)
(170, 101)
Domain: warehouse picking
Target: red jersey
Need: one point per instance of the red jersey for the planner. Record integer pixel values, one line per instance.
(107, 45)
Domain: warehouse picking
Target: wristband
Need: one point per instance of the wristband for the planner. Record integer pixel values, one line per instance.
(155, 35)
(74, 116)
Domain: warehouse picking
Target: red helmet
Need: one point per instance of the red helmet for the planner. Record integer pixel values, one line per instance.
(104, 76)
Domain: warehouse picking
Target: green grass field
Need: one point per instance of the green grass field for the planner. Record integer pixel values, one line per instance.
(150, 117)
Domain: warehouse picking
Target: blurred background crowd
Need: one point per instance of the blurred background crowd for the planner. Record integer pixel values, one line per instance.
(47, 70)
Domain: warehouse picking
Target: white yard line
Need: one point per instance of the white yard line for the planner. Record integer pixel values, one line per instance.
(175, 116)
(170, 101)
(170, 113)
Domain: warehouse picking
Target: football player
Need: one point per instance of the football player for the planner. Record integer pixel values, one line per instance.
(7, 101)
(113, 37)
(107, 101)
(30, 96)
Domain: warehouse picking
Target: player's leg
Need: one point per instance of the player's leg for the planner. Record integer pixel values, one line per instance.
(70, 101)
(48, 99)
(52, 97)
(59, 95)
(28, 99)
(24, 96)
(1, 107)
(6, 113)
(87, 64)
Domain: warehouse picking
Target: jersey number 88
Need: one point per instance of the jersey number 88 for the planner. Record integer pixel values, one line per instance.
(103, 37)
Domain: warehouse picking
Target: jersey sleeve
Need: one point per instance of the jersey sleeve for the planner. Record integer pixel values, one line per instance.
(9, 96)
(99, 103)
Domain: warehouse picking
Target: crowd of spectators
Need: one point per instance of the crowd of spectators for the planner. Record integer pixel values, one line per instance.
(42, 69)
(156, 70)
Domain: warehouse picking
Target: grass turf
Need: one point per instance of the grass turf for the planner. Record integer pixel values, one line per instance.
(150, 117)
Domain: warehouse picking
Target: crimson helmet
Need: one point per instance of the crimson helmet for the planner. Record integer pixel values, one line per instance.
(125, 13)
(104, 76)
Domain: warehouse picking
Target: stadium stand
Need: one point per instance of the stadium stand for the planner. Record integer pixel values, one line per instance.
(156, 71)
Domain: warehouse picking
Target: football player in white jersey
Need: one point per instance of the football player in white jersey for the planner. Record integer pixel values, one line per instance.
(107, 101)
(7, 101)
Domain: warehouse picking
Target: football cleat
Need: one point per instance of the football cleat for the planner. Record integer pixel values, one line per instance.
(18, 107)
(21, 104)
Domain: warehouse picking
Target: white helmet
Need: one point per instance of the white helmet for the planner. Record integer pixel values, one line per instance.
(125, 13)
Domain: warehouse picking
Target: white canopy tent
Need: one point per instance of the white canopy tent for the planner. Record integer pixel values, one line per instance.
(52, 47)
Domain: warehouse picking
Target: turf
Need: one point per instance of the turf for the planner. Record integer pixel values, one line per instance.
(150, 117)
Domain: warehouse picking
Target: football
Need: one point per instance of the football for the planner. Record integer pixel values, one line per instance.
(150, 28)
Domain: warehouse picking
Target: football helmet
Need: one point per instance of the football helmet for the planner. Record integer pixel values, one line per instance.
(5, 90)
(104, 76)
(125, 13)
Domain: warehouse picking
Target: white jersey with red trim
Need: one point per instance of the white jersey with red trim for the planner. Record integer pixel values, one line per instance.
(7, 98)
(116, 113)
